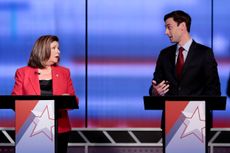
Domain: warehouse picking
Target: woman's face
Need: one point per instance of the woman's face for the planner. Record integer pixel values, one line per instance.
(54, 54)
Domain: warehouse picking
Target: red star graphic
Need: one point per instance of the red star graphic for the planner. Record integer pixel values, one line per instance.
(192, 129)
(40, 127)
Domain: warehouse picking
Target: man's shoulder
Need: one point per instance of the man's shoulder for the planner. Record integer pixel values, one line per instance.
(200, 46)
(172, 47)
(201, 51)
(168, 50)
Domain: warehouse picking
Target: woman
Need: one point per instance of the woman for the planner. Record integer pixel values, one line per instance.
(44, 77)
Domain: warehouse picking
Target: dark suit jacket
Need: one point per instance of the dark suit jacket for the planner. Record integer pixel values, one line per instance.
(228, 87)
(27, 83)
(199, 74)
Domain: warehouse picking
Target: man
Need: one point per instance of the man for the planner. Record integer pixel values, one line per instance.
(192, 71)
(228, 87)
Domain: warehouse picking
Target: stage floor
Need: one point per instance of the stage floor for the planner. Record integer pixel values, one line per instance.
(120, 140)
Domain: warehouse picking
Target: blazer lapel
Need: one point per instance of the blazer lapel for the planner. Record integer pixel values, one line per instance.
(55, 78)
(33, 77)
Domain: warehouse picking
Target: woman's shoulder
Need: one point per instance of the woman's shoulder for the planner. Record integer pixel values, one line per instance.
(25, 68)
(61, 68)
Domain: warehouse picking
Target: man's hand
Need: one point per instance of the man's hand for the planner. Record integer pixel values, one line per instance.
(160, 89)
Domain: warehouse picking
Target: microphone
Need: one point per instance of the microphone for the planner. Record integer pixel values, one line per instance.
(37, 73)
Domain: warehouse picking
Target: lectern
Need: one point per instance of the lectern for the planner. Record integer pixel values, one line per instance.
(186, 121)
(36, 120)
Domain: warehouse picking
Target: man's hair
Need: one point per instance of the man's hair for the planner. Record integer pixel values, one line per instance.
(179, 17)
(41, 51)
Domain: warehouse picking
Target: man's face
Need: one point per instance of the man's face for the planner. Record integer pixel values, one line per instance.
(173, 31)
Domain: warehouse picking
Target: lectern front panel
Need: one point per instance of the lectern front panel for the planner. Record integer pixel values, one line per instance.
(185, 127)
(35, 126)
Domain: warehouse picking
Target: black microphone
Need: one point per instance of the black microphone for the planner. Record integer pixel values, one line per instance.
(37, 73)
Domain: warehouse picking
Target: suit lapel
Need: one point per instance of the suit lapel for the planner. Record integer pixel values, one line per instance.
(189, 57)
(172, 61)
(33, 77)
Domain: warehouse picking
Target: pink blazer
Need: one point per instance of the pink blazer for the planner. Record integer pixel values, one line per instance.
(27, 83)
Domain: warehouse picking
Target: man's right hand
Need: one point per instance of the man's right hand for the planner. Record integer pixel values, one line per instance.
(160, 89)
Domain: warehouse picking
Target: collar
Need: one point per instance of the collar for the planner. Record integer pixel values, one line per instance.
(186, 45)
